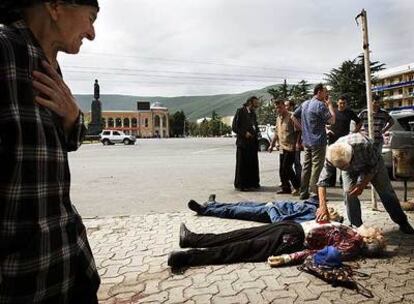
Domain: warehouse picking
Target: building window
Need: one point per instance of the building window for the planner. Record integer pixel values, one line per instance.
(400, 91)
(157, 121)
(146, 122)
(110, 122)
(118, 122)
(164, 121)
(126, 122)
(103, 122)
(134, 122)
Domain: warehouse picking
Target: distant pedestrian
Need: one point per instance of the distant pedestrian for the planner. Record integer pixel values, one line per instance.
(290, 106)
(285, 140)
(247, 161)
(382, 122)
(314, 115)
(343, 118)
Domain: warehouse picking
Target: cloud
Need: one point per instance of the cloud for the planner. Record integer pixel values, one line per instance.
(166, 47)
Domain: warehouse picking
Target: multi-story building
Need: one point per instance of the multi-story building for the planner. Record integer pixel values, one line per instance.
(396, 86)
(147, 121)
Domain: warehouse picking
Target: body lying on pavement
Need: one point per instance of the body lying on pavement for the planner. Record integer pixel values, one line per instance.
(270, 212)
(283, 242)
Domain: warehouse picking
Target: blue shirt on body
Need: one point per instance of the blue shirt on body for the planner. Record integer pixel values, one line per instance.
(314, 116)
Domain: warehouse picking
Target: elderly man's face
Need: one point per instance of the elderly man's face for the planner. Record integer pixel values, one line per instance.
(75, 23)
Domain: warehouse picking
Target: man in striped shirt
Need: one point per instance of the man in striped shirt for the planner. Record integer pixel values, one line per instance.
(381, 119)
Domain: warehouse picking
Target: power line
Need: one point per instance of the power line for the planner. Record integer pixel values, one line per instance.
(177, 74)
(197, 62)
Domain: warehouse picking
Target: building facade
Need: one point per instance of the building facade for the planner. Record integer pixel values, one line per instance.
(148, 123)
(396, 86)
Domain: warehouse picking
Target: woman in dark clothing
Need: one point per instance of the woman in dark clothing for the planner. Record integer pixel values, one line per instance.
(247, 161)
(45, 256)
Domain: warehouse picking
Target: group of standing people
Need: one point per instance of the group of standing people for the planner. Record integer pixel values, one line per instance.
(323, 132)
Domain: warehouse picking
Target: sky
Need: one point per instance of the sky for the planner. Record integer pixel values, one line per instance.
(207, 47)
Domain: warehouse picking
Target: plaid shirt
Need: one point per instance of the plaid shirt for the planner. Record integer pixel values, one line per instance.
(380, 120)
(342, 237)
(365, 158)
(43, 243)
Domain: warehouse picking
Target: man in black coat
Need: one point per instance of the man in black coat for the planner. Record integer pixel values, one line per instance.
(247, 161)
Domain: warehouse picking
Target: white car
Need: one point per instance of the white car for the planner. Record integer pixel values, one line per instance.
(400, 135)
(111, 137)
(267, 132)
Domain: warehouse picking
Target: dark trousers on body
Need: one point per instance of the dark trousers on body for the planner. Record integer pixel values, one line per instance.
(254, 244)
(287, 175)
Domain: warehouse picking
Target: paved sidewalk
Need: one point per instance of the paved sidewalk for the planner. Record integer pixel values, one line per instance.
(131, 255)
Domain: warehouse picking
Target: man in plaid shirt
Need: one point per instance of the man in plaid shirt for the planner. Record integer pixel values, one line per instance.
(361, 163)
(44, 255)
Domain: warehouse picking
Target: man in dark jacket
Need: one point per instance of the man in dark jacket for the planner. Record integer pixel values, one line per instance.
(247, 130)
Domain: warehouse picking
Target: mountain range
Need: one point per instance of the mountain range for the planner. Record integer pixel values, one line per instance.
(194, 107)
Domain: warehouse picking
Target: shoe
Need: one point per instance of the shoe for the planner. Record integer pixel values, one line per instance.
(196, 207)
(282, 191)
(212, 198)
(304, 196)
(185, 236)
(406, 228)
(177, 261)
(295, 192)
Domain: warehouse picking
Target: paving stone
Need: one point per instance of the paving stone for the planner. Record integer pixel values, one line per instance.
(240, 298)
(131, 256)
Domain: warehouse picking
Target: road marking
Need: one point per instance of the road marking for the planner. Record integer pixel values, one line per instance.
(206, 150)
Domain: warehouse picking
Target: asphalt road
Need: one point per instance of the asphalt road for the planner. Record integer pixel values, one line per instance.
(161, 175)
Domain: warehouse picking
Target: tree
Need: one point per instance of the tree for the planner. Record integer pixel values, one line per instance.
(300, 92)
(282, 91)
(178, 124)
(215, 124)
(349, 79)
(266, 114)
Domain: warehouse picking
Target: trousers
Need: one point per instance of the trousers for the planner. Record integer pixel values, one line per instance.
(254, 244)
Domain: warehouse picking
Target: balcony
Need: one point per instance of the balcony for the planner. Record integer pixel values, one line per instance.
(393, 97)
(393, 86)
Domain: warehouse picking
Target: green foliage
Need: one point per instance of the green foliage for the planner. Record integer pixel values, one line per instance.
(178, 124)
(266, 114)
(214, 127)
(298, 93)
(349, 79)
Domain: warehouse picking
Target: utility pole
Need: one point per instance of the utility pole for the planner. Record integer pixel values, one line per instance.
(367, 64)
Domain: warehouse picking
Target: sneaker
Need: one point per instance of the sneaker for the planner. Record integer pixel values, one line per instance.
(406, 228)
(295, 192)
(196, 207)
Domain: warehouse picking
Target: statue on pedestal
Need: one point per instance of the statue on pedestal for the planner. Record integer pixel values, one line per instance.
(95, 126)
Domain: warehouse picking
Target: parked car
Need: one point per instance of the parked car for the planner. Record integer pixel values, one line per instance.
(111, 137)
(267, 132)
(400, 135)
